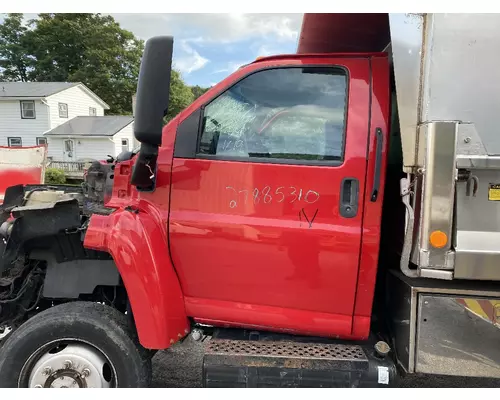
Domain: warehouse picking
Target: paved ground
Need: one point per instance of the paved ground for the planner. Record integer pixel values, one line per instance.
(180, 366)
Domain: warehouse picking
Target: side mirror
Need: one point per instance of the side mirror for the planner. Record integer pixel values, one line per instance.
(124, 156)
(153, 90)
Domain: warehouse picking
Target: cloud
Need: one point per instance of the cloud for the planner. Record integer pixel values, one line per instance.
(202, 33)
(189, 60)
(231, 66)
(234, 27)
(270, 50)
(265, 50)
(257, 48)
(221, 28)
(210, 27)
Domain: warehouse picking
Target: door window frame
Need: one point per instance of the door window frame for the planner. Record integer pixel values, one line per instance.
(190, 130)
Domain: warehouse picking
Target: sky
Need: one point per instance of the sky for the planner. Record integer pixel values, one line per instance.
(209, 47)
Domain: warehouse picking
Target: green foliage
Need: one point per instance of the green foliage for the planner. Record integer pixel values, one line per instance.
(14, 61)
(88, 48)
(181, 96)
(198, 91)
(54, 176)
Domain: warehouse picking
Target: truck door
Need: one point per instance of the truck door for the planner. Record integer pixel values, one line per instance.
(267, 195)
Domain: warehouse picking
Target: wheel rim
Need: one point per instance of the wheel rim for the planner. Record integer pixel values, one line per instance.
(68, 364)
(4, 331)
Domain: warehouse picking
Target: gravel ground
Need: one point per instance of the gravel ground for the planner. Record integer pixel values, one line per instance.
(180, 366)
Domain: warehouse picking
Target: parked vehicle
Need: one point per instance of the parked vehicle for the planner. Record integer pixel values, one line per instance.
(325, 218)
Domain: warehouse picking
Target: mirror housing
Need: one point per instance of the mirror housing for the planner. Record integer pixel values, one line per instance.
(124, 156)
(153, 91)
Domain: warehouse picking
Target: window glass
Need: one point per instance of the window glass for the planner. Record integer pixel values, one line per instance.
(289, 113)
(41, 140)
(15, 142)
(68, 145)
(63, 110)
(28, 109)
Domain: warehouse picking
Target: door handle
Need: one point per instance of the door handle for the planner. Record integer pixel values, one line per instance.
(349, 193)
(378, 164)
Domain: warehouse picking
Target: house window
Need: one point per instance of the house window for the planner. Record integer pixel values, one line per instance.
(63, 110)
(28, 109)
(41, 140)
(125, 145)
(15, 142)
(92, 111)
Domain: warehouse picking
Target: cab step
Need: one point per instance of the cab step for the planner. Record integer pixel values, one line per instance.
(249, 363)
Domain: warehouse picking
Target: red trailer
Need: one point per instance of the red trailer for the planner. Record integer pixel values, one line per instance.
(21, 165)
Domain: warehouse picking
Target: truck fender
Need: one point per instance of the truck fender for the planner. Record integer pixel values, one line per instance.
(137, 241)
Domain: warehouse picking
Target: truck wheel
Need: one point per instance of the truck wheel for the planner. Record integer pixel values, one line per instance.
(75, 345)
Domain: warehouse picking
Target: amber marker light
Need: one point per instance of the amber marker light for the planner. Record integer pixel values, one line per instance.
(438, 239)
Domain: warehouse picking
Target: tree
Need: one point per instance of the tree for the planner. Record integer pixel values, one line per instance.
(14, 61)
(181, 95)
(88, 48)
(198, 91)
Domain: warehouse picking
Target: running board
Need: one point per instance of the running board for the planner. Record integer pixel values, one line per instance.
(247, 363)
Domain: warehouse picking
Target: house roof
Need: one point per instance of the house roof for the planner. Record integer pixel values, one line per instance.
(33, 89)
(13, 90)
(107, 125)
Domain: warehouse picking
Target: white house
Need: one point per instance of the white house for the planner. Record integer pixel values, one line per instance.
(31, 112)
(91, 138)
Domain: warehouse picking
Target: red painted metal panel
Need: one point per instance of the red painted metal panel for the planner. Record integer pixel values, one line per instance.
(263, 255)
(21, 165)
(338, 33)
(254, 316)
(327, 297)
(372, 211)
(138, 244)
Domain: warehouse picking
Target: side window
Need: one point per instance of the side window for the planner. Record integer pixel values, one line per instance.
(288, 113)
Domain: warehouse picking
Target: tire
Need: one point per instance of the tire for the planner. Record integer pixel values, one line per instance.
(99, 332)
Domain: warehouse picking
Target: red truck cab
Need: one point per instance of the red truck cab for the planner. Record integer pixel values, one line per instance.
(266, 206)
